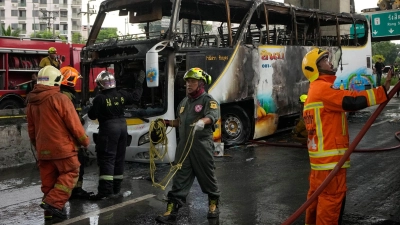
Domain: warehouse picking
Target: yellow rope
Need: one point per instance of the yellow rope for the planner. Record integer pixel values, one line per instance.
(158, 126)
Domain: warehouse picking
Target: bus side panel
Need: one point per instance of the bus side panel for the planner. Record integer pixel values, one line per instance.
(281, 82)
(357, 69)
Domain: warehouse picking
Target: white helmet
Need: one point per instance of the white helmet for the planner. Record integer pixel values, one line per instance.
(50, 76)
(105, 80)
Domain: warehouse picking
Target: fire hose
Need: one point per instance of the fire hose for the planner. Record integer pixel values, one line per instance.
(339, 165)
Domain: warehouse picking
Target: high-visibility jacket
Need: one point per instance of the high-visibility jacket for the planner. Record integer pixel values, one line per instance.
(47, 61)
(326, 122)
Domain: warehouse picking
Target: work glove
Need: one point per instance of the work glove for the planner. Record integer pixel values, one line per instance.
(199, 125)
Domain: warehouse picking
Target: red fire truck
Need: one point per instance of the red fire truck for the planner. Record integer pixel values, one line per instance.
(20, 58)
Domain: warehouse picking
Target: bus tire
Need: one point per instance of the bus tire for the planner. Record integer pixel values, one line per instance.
(235, 125)
(10, 104)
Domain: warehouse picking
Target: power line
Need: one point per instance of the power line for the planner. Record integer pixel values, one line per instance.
(89, 12)
(47, 15)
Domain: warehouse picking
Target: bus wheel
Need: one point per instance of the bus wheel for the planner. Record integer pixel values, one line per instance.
(10, 104)
(235, 126)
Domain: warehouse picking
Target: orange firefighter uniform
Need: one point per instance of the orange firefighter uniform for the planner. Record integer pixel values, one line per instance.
(55, 130)
(328, 140)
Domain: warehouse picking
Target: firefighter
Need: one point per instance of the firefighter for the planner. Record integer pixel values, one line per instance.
(328, 136)
(56, 132)
(70, 77)
(51, 60)
(198, 108)
(108, 109)
(299, 132)
(31, 84)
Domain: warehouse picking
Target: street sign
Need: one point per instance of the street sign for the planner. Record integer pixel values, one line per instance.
(359, 29)
(385, 24)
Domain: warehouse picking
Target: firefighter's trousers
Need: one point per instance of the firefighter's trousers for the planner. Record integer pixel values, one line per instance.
(199, 164)
(329, 206)
(59, 177)
(110, 149)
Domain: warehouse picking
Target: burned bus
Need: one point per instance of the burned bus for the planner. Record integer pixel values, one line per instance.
(252, 49)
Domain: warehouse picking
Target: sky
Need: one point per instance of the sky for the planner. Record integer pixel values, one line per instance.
(124, 27)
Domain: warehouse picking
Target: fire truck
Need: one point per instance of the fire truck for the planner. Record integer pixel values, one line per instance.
(20, 58)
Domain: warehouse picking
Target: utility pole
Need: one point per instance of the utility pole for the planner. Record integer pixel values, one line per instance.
(47, 15)
(88, 13)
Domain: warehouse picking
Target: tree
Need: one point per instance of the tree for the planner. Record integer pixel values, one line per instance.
(376, 57)
(46, 34)
(388, 51)
(107, 33)
(9, 32)
(77, 38)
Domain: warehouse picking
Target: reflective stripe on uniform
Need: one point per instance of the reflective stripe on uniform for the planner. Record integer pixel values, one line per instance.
(82, 138)
(326, 153)
(371, 97)
(62, 188)
(329, 166)
(313, 105)
(106, 177)
(316, 106)
(119, 177)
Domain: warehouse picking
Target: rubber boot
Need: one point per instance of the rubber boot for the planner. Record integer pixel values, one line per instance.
(48, 215)
(79, 193)
(105, 190)
(54, 211)
(169, 217)
(213, 210)
(117, 186)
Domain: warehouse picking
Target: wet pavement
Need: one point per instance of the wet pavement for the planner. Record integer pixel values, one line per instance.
(260, 184)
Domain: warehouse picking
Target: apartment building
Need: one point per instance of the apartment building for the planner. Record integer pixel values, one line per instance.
(58, 16)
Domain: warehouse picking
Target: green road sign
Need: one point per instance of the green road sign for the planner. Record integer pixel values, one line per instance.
(385, 24)
(359, 29)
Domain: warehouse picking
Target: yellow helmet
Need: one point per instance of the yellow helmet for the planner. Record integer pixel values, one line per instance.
(309, 64)
(52, 50)
(49, 76)
(303, 98)
(198, 74)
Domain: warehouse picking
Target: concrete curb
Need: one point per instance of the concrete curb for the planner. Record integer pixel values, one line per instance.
(15, 147)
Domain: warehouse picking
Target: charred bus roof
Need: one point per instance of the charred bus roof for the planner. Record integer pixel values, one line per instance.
(215, 10)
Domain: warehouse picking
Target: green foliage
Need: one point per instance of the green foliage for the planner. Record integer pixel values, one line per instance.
(10, 33)
(46, 34)
(106, 33)
(387, 49)
(16, 32)
(77, 38)
(376, 57)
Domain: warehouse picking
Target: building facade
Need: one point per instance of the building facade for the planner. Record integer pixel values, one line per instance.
(61, 17)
